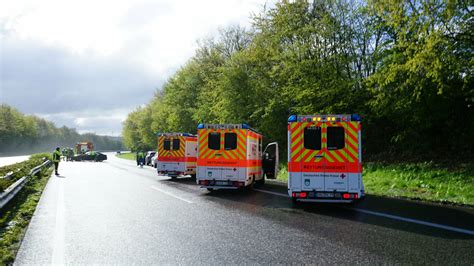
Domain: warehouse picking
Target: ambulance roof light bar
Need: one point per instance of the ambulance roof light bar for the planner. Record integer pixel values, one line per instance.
(226, 126)
(323, 118)
(175, 134)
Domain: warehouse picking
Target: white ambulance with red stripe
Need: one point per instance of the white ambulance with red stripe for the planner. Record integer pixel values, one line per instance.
(230, 156)
(325, 158)
(176, 154)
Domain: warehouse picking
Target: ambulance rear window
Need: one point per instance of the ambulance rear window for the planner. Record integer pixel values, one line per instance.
(214, 141)
(312, 138)
(175, 144)
(166, 144)
(335, 138)
(230, 141)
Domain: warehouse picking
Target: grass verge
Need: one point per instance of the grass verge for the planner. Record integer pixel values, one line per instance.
(425, 181)
(16, 215)
(128, 156)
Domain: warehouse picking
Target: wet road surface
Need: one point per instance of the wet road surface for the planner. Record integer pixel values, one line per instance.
(115, 212)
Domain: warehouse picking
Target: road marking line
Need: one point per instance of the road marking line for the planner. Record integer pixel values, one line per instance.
(390, 216)
(272, 193)
(170, 194)
(58, 246)
(409, 220)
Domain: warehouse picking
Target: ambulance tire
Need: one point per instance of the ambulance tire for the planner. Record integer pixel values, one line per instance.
(252, 184)
(260, 183)
(193, 177)
(173, 177)
(294, 202)
(210, 189)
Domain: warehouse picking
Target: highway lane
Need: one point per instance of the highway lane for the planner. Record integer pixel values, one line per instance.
(115, 212)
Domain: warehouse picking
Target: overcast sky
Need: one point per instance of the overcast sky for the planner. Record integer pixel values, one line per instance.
(86, 64)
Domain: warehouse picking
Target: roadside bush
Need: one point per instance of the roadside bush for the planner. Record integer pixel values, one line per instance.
(21, 169)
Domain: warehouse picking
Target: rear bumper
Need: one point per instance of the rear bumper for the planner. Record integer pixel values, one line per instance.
(326, 200)
(170, 173)
(220, 187)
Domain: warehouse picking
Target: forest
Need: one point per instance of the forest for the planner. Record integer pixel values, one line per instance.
(406, 67)
(27, 134)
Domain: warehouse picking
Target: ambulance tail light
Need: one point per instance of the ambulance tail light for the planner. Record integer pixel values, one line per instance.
(346, 196)
(204, 182)
(293, 194)
(356, 196)
(303, 195)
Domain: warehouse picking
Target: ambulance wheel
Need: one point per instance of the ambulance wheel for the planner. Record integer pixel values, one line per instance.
(260, 183)
(193, 177)
(173, 177)
(294, 201)
(210, 189)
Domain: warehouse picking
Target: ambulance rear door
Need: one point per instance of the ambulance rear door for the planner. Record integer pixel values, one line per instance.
(335, 157)
(309, 154)
(232, 151)
(210, 153)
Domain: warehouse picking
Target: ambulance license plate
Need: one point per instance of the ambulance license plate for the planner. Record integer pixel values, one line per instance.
(221, 183)
(324, 195)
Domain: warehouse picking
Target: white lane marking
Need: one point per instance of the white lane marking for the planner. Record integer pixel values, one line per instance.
(390, 216)
(409, 220)
(58, 244)
(170, 194)
(272, 193)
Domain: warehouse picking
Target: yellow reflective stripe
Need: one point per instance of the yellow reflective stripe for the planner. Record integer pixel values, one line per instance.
(302, 155)
(336, 156)
(349, 158)
(311, 156)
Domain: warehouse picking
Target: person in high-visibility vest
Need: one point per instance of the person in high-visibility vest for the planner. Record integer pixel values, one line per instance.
(56, 159)
(140, 157)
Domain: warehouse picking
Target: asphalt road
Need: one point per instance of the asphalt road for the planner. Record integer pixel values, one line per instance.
(117, 213)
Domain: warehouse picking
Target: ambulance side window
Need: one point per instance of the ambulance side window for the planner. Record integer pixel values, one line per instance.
(312, 138)
(214, 141)
(166, 145)
(175, 144)
(335, 138)
(230, 141)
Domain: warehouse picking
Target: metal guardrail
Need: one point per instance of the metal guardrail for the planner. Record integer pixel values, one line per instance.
(13, 189)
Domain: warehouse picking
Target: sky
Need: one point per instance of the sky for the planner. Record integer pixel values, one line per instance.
(86, 64)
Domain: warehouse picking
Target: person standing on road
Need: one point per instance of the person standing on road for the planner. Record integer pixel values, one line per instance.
(140, 157)
(56, 159)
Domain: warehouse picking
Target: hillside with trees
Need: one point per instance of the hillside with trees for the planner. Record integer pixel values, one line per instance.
(26, 134)
(405, 66)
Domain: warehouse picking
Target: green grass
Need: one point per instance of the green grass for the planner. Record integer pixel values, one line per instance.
(128, 156)
(426, 181)
(16, 215)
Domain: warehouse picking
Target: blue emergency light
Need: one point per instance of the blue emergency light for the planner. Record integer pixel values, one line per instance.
(292, 118)
(200, 126)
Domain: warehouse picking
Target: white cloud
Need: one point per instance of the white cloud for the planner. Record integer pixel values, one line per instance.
(73, 61)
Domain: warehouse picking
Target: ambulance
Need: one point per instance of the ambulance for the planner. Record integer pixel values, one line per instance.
(325, 158)
(176, 154)
(230, 156)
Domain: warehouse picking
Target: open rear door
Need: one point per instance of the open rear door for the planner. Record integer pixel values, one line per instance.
(270, 160)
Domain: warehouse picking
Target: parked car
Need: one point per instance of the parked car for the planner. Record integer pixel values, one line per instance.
(154, 160)
(148, 157)
(90, 156)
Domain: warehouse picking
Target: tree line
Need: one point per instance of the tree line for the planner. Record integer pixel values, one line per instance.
(405, 66)
(21, 134)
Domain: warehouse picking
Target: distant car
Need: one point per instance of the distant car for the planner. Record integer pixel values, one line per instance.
(90, 156)
(154, 160)
(148, 157)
